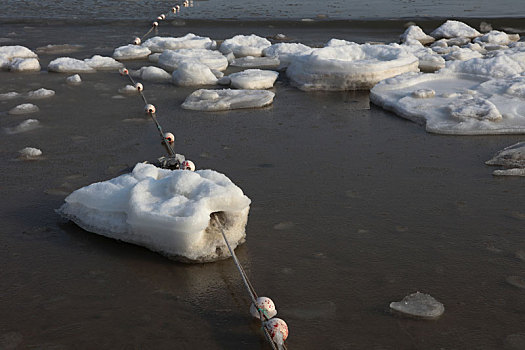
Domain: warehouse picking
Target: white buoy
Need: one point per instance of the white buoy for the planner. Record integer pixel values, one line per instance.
(265, 305)
(188, 165)
(139, 87)
(162, 16)
(178, 8)
(174, 10)
(278, 330)
(169, 137)
(155, 24)
(123, 71)
(137, 41)
(150, 109)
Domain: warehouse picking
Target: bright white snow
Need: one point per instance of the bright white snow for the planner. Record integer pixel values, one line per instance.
(455, 29)
(16, 51)
(103, 63)
(416, 33)
(193, 73)
(221, 100)
(253, 79)
(74, 79)
(245, 45)
(171, 59)
(419, 305)
(286, 52)
(189, 41)
(167, 211)
(30, 153)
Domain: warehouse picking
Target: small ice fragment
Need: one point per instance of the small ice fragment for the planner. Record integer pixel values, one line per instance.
(151, 73)
(193, 73)
(40, 94)
(16, 51)
(30, 152)
(419, 305)
(509, 172)
(58, 49)
(511, 157)
(26, 125)
(227, 99)
(424, 93)
(255, 62)
(74, 79)
(25, 108)
(253, 79)
(171, 59)
(284, 225)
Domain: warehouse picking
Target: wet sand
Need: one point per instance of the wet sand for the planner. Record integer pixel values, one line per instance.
(352, 208)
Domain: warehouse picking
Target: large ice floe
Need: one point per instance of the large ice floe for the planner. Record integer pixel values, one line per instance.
(189, 41)
(168, 211)
(245, 45)
(512, 158)
(171, 59)
(226, 99)
(349, 66)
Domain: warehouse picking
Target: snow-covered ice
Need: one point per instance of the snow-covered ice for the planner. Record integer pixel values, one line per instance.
(349, 66)
(245, 45)
(9, 95)
(74, 79)
(226, 99)
(512, 158)
(253, 79)
(189, 41)
(193, 73)
(25, 108)
(30, 153)
(103, 63)
(40, 94)
(151, 73)
(69, 65)
(286, 52)
(16, 51)
(429, 60)
(26, 125)
(419, 305)
(455, 29)
(24, 65)
(167, 211)
(496, 37)
(171, 59)
(416, 33)
(131, 52)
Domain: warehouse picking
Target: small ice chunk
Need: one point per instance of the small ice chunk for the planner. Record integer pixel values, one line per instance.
(128, 89)
(496, 37)
(25, 108)
(416, 33)
(103, 63)
(510, 157)
(193, 73)
(74, 79)
(151, 73)
(189, 41)
(40, 94)
(24, 65)
(26, 125)
(170, 59)
(221, 100)
(419, 305)
(16, 51)
(253, 79)
(462, 54)
(167, 211)
(454, 29)
(255, 62)
(9, 95)
(474, 108)
(30, 152)
(69, 65)
(424, 93)
(245, 45)
(286, 52)
(131, 52)
(509, 172)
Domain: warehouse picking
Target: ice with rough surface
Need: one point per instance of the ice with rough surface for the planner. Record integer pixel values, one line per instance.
(349, 66)
(170, 59)
(30, 152)
(286, 52)
(455, 29)
(245, 45)
(496, 37)
(128, 89)
(40, 94)
(9, 95)
(25, 108)
(167, 211)
(16, 51)
(193, 73)
(131, 52)
(74, 79)
(26, 125)
(103, 63)
(151, 73)
(221, 100)
(416, 33)
(189, 41)
(24, 65)
(512, 158)
(419, 305)
(253, 79)
(429, 61)
(255, 62)
(69, 65)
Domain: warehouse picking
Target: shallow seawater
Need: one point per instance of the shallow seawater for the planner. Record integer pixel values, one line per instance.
(352, 208)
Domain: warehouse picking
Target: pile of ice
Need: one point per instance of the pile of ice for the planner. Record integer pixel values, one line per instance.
(418, 305)
(512, 158)
(253, 79)
(151, 73)
(18, 59)
(171, 59)
(189, 41)
(245, 45)
(30, 153)
(349, 66)
(167, 211)
(227, 99)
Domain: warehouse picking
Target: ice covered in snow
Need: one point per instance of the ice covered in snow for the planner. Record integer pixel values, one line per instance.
(40, 94)
(416, 33)
(189, 41)
(25, 108)
(193, 73)
(69, 65)
(167, 211)
(24, 65)
(455, 29)
(103, 63)
(16, 51)
(74, 79)
(131, 52)
(429, 61)
(286, 52)
(419, 305)
(496, 37)
(253, 79)
(462, 104)
(30, 153)
(221, 100)
(151, 73)
(512, 158)
(349, 66)
(26, 125)
(170, 59)
(461, 54)
(255, 62)
(245, 45)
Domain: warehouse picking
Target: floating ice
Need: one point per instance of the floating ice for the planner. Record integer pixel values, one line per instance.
(171, 59)
(40, 94)
(189, 41)
(463, 104)
(131, 52)
(26, 125)
(74, 79)
(166, 211)
(497, 37)
(69, 65)
(9, 95)
(513, 158)
(349, 67)
(101, 63)
(416, 33)
(253, 79)
(193, 73)
(24, 65)
(254, 62)
(154, 74)
(455, 29)
(60, 49)
(286, 52)
(16, 51)
(221, 100)
(128, 89)
(429, 61)
(245, 45)
(30, 153)
(419, 305)
(25, 108)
